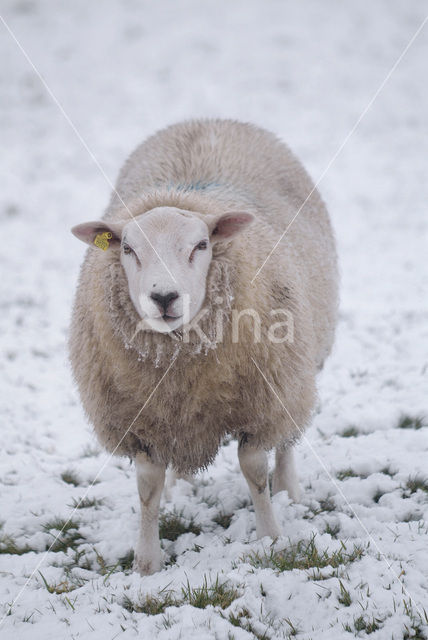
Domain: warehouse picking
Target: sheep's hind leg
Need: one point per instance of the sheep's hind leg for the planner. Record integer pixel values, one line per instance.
(171, 478)
(150, 481)
(285, 476)
(254, 466)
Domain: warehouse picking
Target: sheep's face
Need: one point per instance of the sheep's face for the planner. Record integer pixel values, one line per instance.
(166, 254)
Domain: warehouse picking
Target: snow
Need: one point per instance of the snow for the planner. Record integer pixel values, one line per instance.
(122, 70)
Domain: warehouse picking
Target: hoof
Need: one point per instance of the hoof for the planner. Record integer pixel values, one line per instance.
(145, 566)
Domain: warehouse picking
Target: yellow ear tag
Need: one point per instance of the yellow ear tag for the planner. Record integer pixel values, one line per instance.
(102, 240)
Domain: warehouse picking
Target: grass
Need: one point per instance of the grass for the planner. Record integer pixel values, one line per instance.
(326, 504)
(69, 538)
(217, 594)
(9, 546)
(417, 634)
(350, 432)
(350, 473)
(404, 422)
(80, 559)
(241, 619)
(86, 503)
(345, 597)
(65, 533)
(362, 623)
(223, 519)
(377, 496)
(65, 586)
(346, 473)
(417, 621)
(173, 525)
(388, 471)
(293, 629)
(303, 555)
(70, 477)
(124, 563)
(150, 604)
(102, 566)
(27, 618)
(414, 632)
(332, 529)
(412, 422)
(416, 483)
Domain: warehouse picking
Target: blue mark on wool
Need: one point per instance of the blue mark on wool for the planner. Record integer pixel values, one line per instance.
(199, 185)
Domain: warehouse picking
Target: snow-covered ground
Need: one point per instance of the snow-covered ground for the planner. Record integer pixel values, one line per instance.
(307, 71)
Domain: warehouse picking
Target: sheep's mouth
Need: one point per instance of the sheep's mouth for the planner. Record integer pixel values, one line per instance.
(167, 318)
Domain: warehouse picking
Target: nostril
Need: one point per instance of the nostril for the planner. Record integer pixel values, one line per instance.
(171, 296)
(163, 300)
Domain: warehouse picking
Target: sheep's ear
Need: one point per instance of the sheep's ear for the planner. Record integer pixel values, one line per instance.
(97, 232)
(230, 224)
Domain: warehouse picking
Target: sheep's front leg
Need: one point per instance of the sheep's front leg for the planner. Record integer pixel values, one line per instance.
(285, 475)
(254, 466)
(150, 481)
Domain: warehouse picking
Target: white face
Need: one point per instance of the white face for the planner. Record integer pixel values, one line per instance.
(166, 254)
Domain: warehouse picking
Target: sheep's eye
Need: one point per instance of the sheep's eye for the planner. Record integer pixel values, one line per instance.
(127, 249)
(200, 246)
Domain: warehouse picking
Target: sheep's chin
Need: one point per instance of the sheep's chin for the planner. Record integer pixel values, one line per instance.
(163, 326)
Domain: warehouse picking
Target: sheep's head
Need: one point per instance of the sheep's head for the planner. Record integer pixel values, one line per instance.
(166, 254)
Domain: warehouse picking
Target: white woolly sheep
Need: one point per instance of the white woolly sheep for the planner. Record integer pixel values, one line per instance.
(163, 338)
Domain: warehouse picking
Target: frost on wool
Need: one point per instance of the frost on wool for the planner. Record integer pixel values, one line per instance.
(125, 319)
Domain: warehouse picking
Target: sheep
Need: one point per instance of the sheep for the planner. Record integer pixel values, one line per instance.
(179, 276)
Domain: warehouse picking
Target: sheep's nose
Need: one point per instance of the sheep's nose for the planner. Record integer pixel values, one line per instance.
(164, 300)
